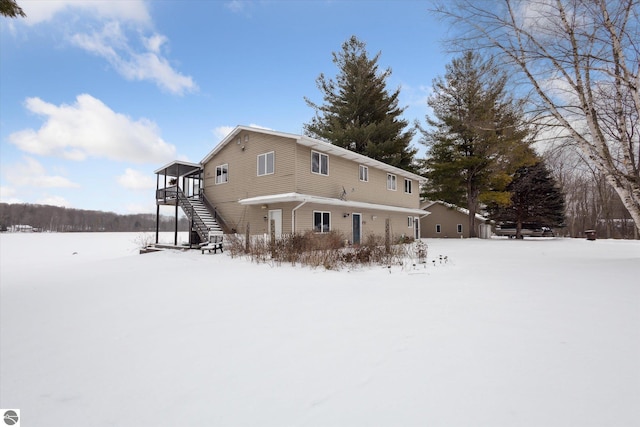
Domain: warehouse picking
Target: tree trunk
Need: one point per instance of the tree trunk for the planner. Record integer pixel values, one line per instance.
(472, 203)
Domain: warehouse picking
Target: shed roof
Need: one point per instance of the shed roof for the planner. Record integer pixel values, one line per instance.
(427, 204)
(178, 168)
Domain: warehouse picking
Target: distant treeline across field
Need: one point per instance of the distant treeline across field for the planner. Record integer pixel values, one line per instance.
(60, 219)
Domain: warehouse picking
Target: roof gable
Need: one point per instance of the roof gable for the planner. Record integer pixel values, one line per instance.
(315, 144)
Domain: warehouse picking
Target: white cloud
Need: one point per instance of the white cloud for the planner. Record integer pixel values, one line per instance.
(155, 42)
(54, 201)
(112, 44)
(222, 131)
(7, 195)
(89, 128)
(32, 174)
(130, 10)
(136, 180)
(236, 6)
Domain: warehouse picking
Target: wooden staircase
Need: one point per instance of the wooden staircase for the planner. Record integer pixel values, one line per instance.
(202, 220)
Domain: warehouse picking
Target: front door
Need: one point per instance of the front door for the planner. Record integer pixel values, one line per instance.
(357, 228)
(416, 228)
(276, 216)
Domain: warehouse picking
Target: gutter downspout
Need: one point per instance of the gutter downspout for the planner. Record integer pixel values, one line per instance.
(293, 216)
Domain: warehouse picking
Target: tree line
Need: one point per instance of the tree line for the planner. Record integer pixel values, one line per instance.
(61, 219)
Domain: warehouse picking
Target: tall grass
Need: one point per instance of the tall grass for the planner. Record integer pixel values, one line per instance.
(327, 250)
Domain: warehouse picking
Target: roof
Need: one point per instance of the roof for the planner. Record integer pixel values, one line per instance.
(318, 145)
(178, 168)
(305, 198)
(427, 204)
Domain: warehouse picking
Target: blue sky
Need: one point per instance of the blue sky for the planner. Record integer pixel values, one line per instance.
(96, 95)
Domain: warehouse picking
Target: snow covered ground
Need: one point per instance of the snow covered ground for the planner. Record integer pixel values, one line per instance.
(539, 332)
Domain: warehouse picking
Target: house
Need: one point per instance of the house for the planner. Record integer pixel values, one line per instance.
(448, 220)
(256, 179)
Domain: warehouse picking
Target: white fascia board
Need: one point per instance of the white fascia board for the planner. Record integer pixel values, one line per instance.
(231, 136)
(175, 162)
(327, 147)
(297, 197)
(317, 144)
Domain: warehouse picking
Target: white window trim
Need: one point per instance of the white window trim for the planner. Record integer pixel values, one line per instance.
(460, 229)
(392, 181)
(226, 167)
(320, 156)
(438, 228)
(266, 156)
(410, 222)
(322, 221)
(408, 181)
(366, 173)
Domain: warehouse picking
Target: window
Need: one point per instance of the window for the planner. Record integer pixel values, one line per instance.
(321, 222)
(410, 221)
(438, 228)
(459, 228)
(319, 163)
(391, 182)
(266, 163)
(222, 174)
(407, 186)
(364, 173)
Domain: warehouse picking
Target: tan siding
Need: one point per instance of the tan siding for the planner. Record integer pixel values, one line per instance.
(344, 176)
(244, 181)
(448, 218)
(373, 222)
(293, 174)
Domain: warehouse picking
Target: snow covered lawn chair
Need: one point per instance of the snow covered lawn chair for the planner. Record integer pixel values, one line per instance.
(215, 242)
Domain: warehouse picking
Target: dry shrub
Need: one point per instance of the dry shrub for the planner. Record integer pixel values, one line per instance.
(328, 250)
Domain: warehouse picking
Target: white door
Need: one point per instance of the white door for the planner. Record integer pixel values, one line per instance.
(276, 216)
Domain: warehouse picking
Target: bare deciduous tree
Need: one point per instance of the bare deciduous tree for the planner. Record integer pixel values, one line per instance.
(580, 58)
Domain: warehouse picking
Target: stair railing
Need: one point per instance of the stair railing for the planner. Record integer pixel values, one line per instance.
(199, 225)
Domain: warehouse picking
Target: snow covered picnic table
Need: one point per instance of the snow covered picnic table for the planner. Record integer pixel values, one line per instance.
(215, 243)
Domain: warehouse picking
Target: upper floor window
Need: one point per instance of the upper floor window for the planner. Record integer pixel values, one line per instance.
(364, 173)
(266, 163)
(319, 163)
(407, 186)
(222, 174)
(391, 182)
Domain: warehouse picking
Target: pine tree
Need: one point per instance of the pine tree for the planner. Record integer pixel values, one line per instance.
(477, 136)
(535, 198)
(358, 112)
(10, 9)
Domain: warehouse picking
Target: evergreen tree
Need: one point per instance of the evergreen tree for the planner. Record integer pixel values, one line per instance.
(10, 9)
(358, 113)
(535, 198)
(477, 136)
